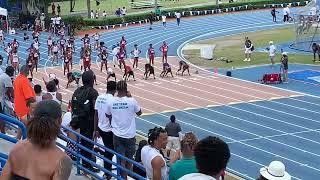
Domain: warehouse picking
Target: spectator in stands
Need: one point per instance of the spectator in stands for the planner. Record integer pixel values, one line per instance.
(137, 158)
(38, 90)
(52, 93)
(152, 156)
(6, 91)
(123, 11)
(83, 101)
(123, 108)
(102, 124)
(24, 94)
(173, 129)
(212, 156)
(66, 119)
(29, 158)
(275, 171)
(187, 164)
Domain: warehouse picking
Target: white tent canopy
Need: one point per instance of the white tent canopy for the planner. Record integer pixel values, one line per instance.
(4, 12)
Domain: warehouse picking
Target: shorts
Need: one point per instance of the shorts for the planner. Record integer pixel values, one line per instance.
(173, 143)
(247, 51)
(121, 61)
(185, 67)
(124, 146)
(136, 58)
(112, 75)
(130, 73)
(55, 53)
(86, 63)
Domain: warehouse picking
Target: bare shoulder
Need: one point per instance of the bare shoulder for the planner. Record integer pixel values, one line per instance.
(63, 169)
(19, 146)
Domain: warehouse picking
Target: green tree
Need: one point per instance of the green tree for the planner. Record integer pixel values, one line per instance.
(33, 5)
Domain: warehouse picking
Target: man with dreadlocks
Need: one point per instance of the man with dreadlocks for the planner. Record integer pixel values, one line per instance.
(123, 108)
(152, 156)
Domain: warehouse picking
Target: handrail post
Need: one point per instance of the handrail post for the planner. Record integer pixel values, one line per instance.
(78, 158)
(118, 164)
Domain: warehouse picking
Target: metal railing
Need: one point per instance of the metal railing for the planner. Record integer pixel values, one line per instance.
(78, 156)
(77, 143)
(11, 120)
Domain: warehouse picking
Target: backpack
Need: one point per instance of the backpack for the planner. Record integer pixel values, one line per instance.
(80, 106)
(252, 48)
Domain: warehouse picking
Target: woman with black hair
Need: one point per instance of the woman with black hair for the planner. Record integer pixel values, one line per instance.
(29, 158)
(151, 155)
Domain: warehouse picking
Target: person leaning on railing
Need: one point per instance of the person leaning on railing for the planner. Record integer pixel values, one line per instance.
(38, 157)
(186, 163)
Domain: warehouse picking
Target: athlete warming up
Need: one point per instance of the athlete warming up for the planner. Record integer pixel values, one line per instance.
(110, 73)
(121, 56)
(123, 44)
(164, 50)
(148, 71)
(103, 57)
(151, 54)
(127, 73)
(166, 70)
(183, 66)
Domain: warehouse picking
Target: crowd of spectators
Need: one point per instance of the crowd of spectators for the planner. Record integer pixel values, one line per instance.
(120, 12)
(110, 117)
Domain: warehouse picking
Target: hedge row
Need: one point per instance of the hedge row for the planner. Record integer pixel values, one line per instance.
(198, 10)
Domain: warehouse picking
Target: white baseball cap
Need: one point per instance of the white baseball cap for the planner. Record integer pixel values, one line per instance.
(275, 171)
(284, 53)
(270, 42)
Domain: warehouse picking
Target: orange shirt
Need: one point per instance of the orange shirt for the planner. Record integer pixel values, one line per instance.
(22, 91)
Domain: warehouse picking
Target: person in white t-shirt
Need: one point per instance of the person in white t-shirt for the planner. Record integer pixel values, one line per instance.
(104, 14)
(151, 155)
(164, 20)
(115, 51)
(286, 14)
(178, 16)
(135, 52)
(92, 14)
(123, 109)
(272, 52)
(212, 156)
(102, 124)
(123, 11)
